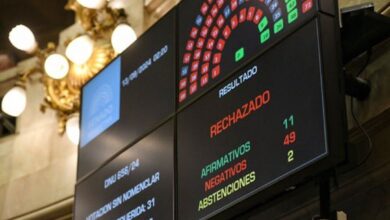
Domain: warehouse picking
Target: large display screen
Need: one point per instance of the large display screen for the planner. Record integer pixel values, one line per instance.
(220, 104)
(217, 37)
(130, 97)
(138, 184)
(263, 124)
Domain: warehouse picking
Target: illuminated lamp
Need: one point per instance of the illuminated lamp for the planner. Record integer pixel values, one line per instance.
(122, 37)
(56, 66)
(80, 50)
(73, 129)
(92, 4)
(23, 38)
(14, 102)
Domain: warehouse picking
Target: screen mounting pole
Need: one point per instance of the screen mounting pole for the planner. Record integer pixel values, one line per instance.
(325, 211)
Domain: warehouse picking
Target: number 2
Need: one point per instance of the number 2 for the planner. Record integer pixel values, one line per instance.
(290, 156)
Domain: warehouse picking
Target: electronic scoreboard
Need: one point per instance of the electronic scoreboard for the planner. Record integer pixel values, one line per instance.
(217, 108)
(267, 123)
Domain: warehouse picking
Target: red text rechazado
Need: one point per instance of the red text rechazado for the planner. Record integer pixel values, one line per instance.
(241, 113)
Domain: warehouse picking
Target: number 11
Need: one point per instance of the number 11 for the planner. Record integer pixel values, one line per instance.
(288, 121)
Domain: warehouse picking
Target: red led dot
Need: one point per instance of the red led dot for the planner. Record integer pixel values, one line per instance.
(205, 68)
(258, 16)
(307, 5)
(183, 83)
(220, 3)
(215, 72)
(214, 11)
(193, 77)
(186, 58)
(193, 88)
(220, 21)
(214, 32)
(207, 56)
(226, 32)
(182, 95)
(204, 80)
(194, 32)
(250, 14)
(242, 17)
(197, 54)
(234, 22)
(200, 43)
(209, 21)
(221, 44)
(210, 44)
(195, 66)
(217, 58)
(204, 31)
(190, 45)
(204, 8)
(233, 4)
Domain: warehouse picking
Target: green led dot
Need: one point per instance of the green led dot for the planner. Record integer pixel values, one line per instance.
(240, 54)
(263, 23)
(265, 36)
(287, 1)
(292, 16)
(278, 26)
(291, 5)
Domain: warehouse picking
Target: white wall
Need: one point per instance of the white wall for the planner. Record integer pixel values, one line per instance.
(37, 166)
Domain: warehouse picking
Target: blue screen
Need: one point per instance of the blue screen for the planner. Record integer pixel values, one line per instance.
(101, 103)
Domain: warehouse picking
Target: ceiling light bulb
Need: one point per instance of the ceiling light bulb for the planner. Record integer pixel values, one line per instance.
(73, 129)
(14, 102)
(22, 38)
(116, 4)
(80, 50)
(122, 37)
(56, 66)
(92, 4)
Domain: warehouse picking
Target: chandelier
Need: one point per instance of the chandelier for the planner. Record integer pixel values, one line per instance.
(106, 34)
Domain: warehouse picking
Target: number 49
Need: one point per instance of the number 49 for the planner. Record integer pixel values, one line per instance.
(290, 138)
